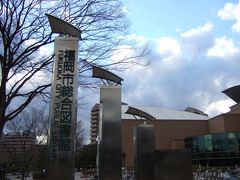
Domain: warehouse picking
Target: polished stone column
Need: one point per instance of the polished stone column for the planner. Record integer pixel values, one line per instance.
(110, 142)
(144, 146)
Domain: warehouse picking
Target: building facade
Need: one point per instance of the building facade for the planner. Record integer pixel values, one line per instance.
(15, 145)
(216, 149)
(94, 124)
(176, 129)
(17, 142)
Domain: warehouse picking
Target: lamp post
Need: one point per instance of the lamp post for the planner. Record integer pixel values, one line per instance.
(62, 118)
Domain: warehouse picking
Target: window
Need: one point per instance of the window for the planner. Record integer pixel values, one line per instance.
(195, 145)
(208, 143)
(233, 142)
(215, 149)
(216, 143)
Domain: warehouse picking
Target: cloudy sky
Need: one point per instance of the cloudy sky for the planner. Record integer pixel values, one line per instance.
(195, 54)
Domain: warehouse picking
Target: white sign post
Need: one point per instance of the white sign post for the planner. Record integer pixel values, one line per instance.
(63, 113)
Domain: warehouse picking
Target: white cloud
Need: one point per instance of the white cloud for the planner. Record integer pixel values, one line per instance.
(197, 31)
(136, 44)
(138, 38)
(30, 42)
(227, 12)
(223, 48)
(231, 12)
(46, 50)
(236, 26)
(174, 81)
(122, 52)
(168, 46)
(219, 107)
(197, 40)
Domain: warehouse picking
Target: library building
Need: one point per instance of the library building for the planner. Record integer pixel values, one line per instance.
(213, 141)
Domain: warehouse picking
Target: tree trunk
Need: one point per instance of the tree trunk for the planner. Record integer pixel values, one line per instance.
(2, 102)
(2, 123)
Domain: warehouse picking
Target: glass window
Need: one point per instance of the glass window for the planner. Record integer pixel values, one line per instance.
(224, 142)
(233, 142)
(216, 149)
(216, 142)
(201, 143)
(208, 143)
(195, 145)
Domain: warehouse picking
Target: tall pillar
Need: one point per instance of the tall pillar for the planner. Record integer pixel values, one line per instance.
(61, 139)
(110, 142)
(144, 147)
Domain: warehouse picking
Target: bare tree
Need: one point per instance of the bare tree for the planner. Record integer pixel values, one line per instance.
(33, 120)
(25, 43)
(22, 144)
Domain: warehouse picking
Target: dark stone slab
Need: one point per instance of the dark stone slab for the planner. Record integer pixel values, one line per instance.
(144, 146)
(173, 165)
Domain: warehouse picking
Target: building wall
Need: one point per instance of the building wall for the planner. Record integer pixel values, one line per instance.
(216, 124)
(94, 123)
(127, 141)
(177, 144)
(168, 131)
(169, 134)
(235, 109)
(232, 122)
(224, 123)
(15, 145)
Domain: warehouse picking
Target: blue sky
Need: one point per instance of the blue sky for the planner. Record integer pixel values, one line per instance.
(195, 54)
(156, 18)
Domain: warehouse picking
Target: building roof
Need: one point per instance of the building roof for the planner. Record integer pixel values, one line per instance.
(138, 112)
(164, 114)
(233, 93)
